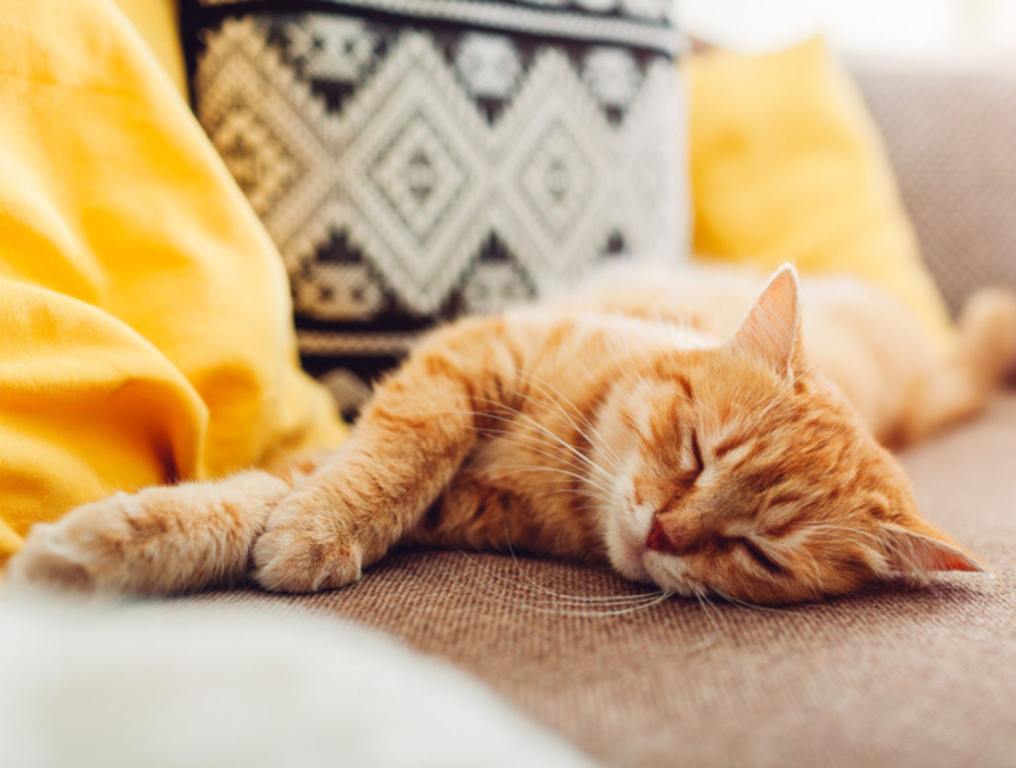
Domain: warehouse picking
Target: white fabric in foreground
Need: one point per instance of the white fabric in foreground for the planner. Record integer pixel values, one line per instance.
(161, 685)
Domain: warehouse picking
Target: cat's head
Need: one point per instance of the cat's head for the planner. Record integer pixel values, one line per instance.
(740, 474)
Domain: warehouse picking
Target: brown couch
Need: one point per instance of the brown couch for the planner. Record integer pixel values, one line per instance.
(896, 677)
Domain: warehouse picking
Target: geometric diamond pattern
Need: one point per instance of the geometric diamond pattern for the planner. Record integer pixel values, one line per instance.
(415, 172)
(559, 174)
(557, 179)
(441, 156)
(419, 176)
(243, 74)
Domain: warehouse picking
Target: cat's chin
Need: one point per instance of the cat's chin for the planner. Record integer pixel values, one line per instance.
(663, 571)
(644, 566)
(629, 563)
(625, 531)
(626, 550)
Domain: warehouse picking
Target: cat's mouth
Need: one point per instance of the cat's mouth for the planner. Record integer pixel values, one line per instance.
(629, 558)
(627, 537)
(630, 562)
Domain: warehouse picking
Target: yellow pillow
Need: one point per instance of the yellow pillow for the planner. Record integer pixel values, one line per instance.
(786, 165)
(145, 331)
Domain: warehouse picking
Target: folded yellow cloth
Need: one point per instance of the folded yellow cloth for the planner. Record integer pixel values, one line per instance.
(156, 21)
(787, 165)
(145, 330)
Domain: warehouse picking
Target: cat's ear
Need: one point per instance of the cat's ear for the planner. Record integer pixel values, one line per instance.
(916, 547)
(772, 329)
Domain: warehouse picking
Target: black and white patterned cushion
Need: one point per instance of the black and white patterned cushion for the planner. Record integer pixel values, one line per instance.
(417, 159)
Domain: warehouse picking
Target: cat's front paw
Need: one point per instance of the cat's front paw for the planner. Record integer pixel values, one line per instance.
(307, 546)
(82, 552)
(160, 540)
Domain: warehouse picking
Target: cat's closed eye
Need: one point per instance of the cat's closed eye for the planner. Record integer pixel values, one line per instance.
(691, 462)
(759, 556)
(696, 452)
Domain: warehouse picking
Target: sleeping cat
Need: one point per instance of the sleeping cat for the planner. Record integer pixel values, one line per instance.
(641, 423)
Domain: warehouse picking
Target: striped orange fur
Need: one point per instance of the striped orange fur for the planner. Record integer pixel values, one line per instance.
(645, 422)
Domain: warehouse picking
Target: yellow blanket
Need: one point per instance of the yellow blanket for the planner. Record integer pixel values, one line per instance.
(145, 331)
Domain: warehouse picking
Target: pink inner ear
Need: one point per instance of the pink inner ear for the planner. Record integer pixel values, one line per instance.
(953, 561)
(770, 331)
(915, 551)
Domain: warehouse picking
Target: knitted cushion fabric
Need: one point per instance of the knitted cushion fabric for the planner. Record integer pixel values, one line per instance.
(417, 160)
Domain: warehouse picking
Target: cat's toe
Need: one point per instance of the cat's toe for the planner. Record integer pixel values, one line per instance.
(304, 549)
(75, 554)
(44, 563)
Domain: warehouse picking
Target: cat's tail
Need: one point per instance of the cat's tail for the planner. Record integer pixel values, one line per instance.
(984, 359)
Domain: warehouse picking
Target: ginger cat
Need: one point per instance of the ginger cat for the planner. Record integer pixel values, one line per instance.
(641, 423)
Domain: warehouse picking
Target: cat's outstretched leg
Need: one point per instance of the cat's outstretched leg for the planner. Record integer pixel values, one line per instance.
(159, 540)
(345, 512)
(407, 446)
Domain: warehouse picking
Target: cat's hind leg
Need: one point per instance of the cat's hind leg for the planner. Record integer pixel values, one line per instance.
(160, 540)
(985, 356)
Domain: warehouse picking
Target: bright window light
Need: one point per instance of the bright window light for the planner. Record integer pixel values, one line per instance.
(899, 27)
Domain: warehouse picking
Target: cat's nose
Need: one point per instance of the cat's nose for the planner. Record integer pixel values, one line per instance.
(658, 539)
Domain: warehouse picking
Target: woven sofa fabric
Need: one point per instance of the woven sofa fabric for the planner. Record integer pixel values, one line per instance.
(905, 678)
(414, 161)
(949, 131)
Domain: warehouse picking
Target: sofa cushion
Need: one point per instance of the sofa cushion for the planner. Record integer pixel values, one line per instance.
(414, 161)
(897, 677)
